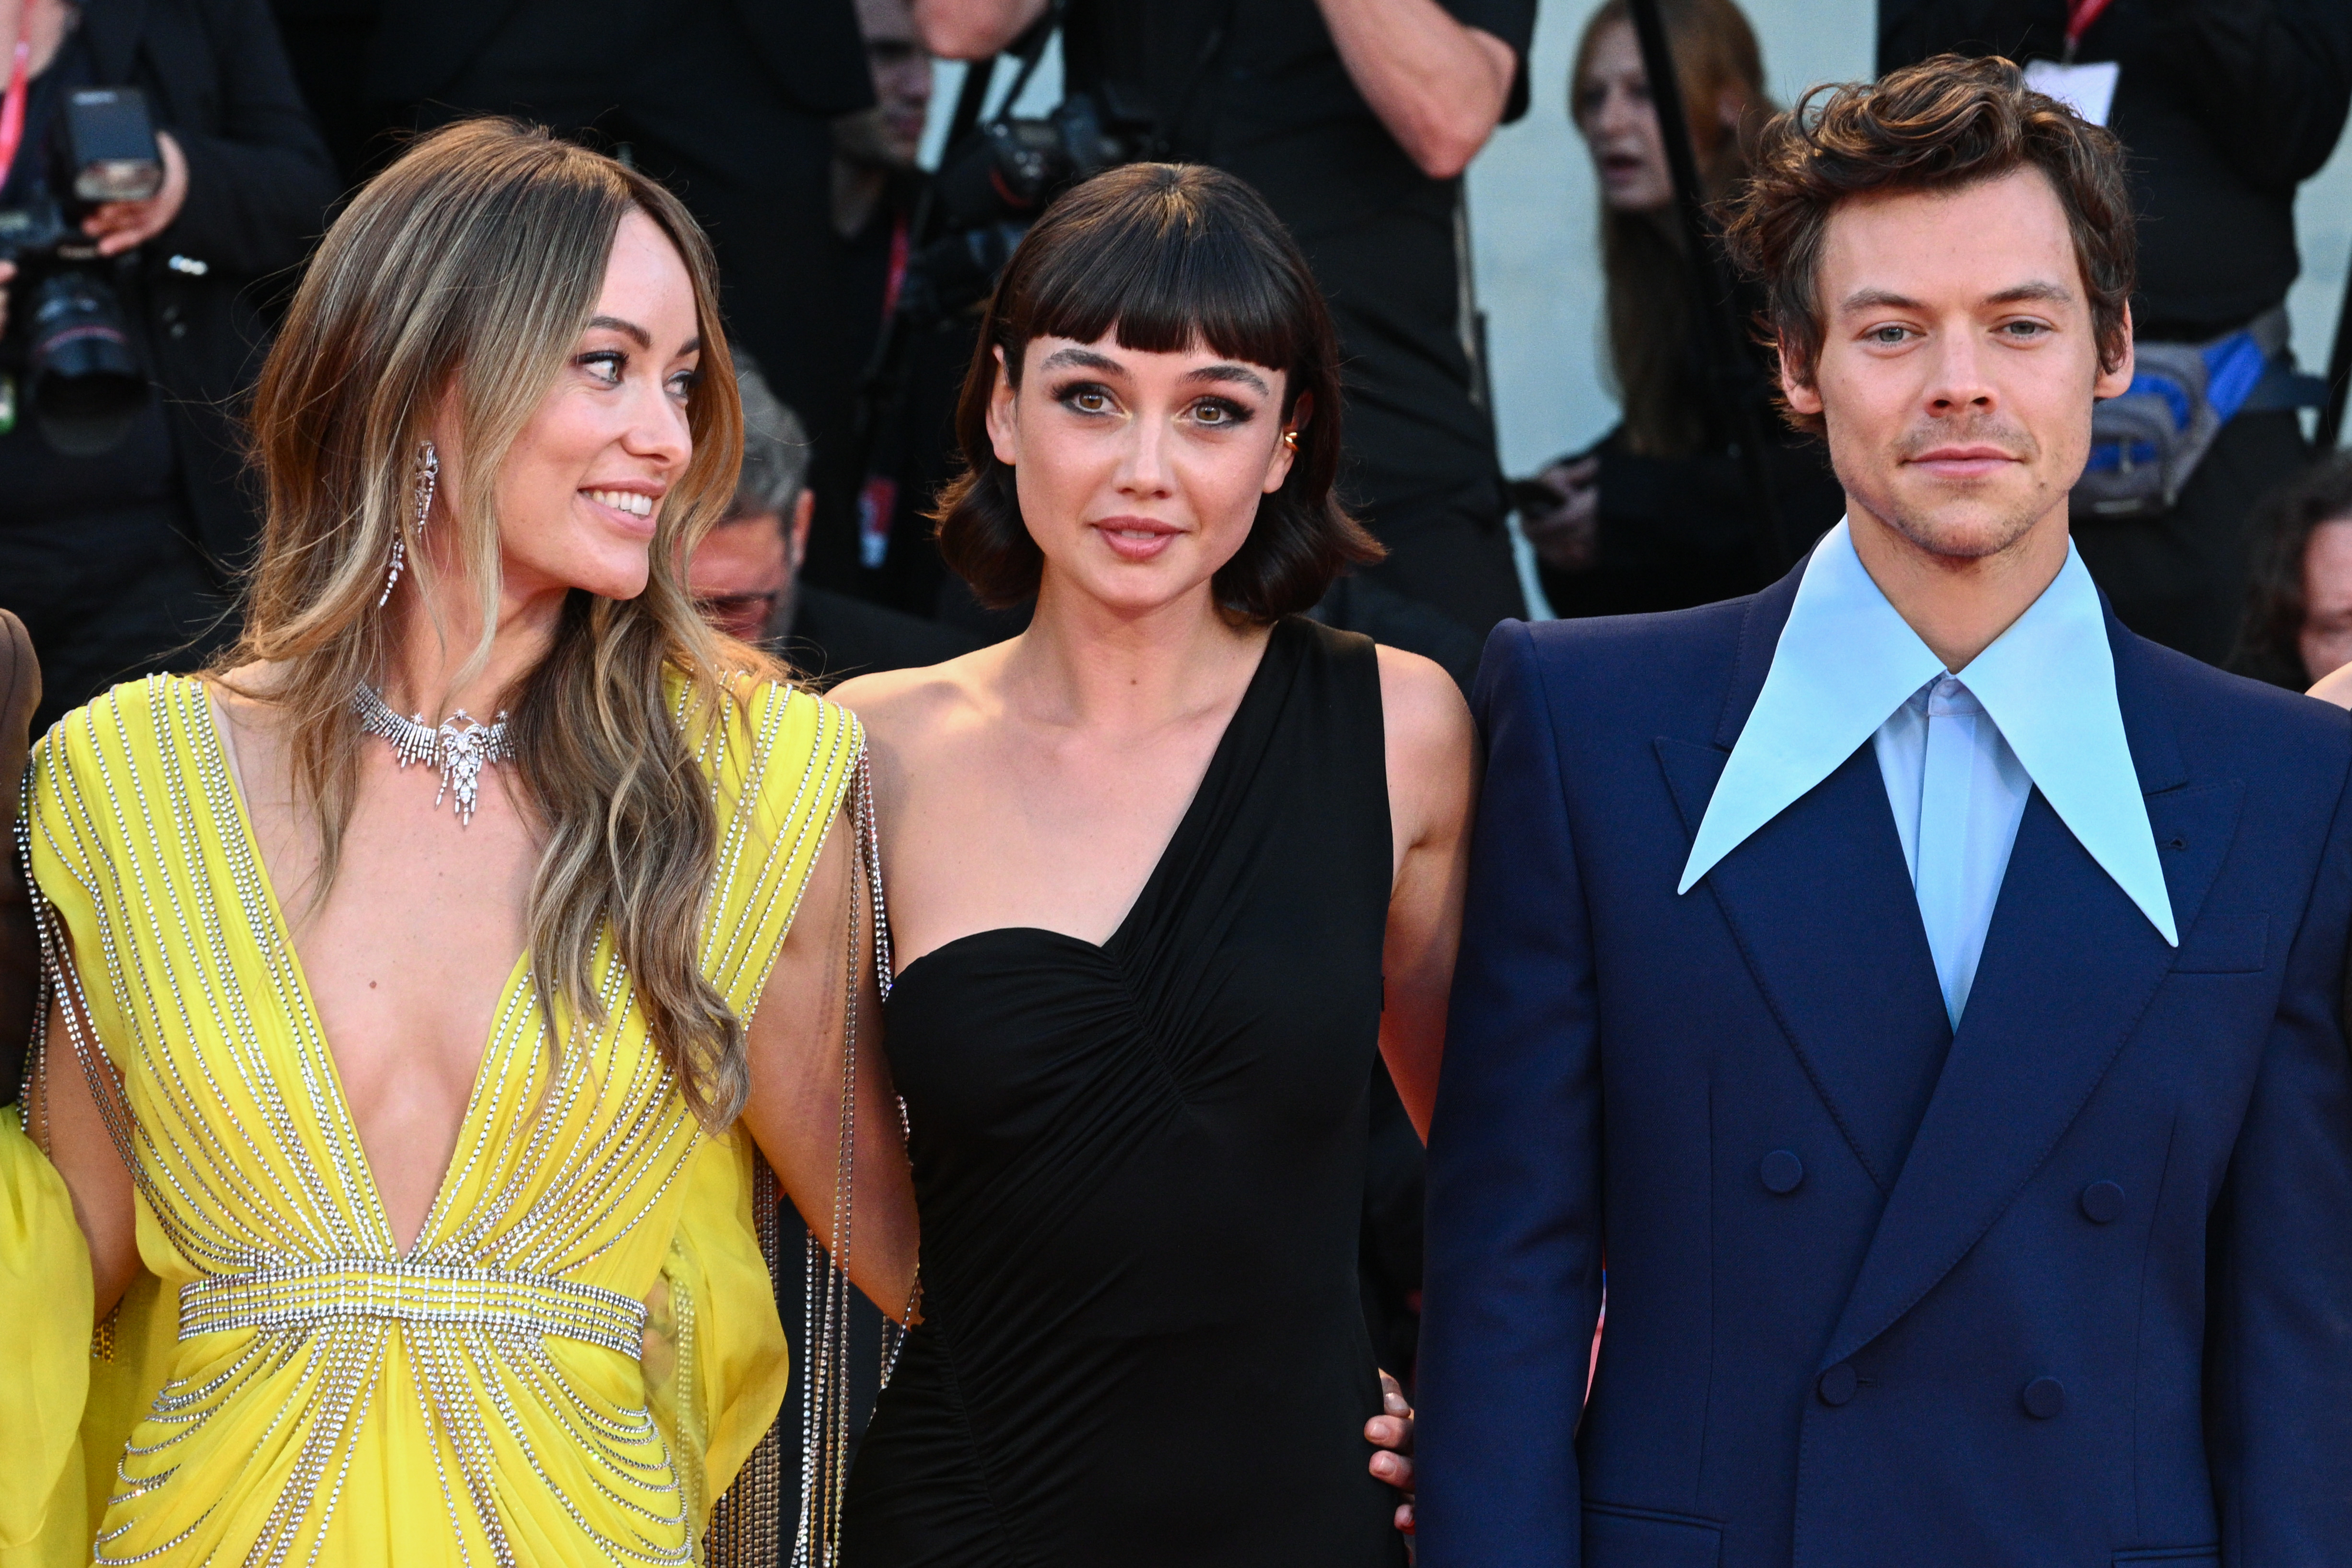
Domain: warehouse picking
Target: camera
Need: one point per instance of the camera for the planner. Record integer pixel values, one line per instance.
(67, 347)
(992, 185)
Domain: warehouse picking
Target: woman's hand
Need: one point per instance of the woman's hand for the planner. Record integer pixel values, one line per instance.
(116, 226)
(1392, 1432)
(1564, 535)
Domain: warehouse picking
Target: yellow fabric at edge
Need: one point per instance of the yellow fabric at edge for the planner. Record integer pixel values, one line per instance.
(45, 1308)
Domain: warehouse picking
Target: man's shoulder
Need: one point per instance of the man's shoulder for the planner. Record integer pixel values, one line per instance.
(1676, 666)
(2229, 723)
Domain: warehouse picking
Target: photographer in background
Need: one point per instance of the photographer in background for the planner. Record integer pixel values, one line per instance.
(1354, 119)
(883, 449)
(1659, 515)
(120, 554)
(2225, 107)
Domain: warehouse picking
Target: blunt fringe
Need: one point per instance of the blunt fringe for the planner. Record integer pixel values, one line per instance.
(1941, 125)
(1166, 256)
(458, 283)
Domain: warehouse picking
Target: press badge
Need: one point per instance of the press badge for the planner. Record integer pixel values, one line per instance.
(2089, 90)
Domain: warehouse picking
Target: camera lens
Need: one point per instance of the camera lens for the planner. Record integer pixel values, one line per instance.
(82, 377)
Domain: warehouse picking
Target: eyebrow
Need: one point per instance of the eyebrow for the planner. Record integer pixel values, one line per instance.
(1887, 299)
(630, 329)
(2053, 293)
(1087, 359)
(1084, 359)
(1236, 375)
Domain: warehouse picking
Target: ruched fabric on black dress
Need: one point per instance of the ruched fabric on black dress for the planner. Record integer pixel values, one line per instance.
(1140, 1172)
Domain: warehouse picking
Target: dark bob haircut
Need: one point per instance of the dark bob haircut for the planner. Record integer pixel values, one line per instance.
(1169, 255)
(1941, 125)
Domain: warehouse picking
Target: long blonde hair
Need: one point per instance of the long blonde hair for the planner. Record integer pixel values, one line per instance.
(1715, 52)
(458, 282)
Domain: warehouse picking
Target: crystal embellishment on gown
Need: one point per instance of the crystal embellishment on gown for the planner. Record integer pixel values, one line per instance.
(328, 1387)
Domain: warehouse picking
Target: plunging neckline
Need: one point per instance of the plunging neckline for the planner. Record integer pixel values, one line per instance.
(1220, 761)
(265, 889)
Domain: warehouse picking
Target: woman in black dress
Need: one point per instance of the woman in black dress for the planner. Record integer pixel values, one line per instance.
(1164, 871)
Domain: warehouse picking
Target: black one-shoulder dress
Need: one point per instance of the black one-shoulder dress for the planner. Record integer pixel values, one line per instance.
(1141, 1173)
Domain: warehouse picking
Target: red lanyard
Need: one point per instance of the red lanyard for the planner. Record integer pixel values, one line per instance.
(897, 278)
(2080, 15)
(11, 109)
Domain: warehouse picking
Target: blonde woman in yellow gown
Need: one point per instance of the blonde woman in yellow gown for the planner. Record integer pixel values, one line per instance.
(396, 1124)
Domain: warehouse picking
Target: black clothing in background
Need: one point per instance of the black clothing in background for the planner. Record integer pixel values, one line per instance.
(1679, 531)
(1258, 88)
(1682, 531)
(729, 102)
(835, 636)
(2224, 106)
(912, 452)
(2159, 572)
(1140, 1172)
(125, 563)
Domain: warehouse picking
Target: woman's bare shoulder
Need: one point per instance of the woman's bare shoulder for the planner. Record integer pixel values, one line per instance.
(1432, 748)
(900, 707)
(1421, 709)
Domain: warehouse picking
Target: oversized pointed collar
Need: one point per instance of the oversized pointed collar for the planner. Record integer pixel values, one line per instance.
(1846, 661)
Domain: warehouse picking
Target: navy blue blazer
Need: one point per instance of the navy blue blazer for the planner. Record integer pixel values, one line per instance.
(2072, 1285)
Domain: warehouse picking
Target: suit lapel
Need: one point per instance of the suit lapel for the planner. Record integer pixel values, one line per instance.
(2070, 965)
(1823, 909)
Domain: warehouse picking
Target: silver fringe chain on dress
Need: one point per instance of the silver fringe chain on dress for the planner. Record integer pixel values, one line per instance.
(421, 485)
(825, 1289)
(458, 748)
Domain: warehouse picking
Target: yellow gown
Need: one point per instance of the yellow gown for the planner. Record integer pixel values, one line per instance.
(581, 1347)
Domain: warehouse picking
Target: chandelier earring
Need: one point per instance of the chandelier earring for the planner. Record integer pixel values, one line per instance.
(421, 483)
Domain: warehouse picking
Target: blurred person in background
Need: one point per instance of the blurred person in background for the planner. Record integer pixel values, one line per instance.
(2299, 612)
(118, 547)
(2226, 106)
(746, 572)
(1355, 120)
(1659, 514)
(731, 103)
(882, 427)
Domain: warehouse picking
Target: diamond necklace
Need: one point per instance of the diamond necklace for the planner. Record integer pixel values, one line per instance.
(459, 749)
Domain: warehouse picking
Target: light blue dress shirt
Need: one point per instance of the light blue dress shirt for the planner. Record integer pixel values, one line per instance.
(1960, 753)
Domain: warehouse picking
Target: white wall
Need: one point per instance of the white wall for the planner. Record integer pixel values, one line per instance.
(1532, 209)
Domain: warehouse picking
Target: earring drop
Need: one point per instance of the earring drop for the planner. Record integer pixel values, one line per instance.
(421, 485)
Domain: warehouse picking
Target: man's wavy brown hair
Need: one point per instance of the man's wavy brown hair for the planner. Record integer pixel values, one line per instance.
(1941, 125)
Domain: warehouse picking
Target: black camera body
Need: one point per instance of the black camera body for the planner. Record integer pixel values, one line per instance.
(992, 186)
(67, 344)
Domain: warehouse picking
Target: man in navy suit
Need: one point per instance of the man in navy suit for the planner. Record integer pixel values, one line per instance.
(1918, 994)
